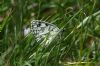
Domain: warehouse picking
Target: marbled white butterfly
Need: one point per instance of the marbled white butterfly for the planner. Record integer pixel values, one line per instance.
(43, 30)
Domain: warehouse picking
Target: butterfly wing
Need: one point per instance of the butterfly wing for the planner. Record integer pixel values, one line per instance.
(43, 29)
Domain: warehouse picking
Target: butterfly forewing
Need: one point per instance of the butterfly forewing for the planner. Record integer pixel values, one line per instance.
(42, 29)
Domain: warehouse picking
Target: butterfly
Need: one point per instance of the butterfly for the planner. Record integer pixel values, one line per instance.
(43, 30)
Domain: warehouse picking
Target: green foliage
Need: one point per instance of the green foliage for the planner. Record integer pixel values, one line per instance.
(79, 21)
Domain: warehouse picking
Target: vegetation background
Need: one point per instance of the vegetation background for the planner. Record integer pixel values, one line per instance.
(79, 44)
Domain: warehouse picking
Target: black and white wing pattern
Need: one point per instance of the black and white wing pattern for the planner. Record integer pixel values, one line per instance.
(42, 30)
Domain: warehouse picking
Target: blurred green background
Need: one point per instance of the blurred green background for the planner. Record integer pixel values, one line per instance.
(80, 40)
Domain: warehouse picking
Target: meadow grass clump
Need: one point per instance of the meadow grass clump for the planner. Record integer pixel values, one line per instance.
(79, 42)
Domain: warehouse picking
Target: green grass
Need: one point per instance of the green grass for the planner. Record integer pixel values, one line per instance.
(79, 21)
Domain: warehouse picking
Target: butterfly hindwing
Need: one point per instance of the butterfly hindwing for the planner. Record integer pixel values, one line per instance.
(41, 29)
